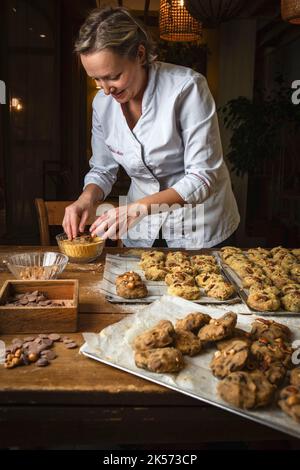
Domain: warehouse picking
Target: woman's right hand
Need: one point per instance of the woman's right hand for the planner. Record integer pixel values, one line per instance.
(76, 216)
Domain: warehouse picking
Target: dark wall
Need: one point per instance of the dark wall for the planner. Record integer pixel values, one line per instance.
(43, 136)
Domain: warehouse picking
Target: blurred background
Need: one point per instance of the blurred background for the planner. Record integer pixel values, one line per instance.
(249, 52)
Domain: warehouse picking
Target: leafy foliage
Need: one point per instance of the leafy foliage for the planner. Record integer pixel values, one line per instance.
(258, 126)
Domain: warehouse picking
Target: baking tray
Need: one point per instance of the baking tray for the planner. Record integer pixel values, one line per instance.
(116, 265)
(235, 280)
(113, 346)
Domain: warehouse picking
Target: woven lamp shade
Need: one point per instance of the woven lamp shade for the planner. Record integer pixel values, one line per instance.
(176, 24)
(290, 11)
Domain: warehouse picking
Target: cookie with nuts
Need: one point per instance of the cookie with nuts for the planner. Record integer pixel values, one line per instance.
(270, 330)
(295, 377)
(164, 360)
(187, 343)
(193, 322)
(246, 390)
(130, 286)
(160, 336)
(290, 401)
(230, 359)
(218, 328)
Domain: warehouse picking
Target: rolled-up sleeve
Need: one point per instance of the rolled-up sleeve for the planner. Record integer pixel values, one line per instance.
(198, 124)
(104, 168)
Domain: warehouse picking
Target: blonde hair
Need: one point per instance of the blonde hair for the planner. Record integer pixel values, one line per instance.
(114, 28)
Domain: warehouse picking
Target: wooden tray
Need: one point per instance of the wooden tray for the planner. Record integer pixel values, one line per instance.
(40, 319)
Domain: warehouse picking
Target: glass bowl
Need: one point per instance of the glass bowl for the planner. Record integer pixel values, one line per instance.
(36, 265)
(81, 249)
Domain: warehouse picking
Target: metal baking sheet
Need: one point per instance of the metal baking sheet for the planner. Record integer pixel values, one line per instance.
(116, 265)
(235, 280)
(113, 346)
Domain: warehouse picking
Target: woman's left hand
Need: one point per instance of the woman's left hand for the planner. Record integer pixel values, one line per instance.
(116, 222)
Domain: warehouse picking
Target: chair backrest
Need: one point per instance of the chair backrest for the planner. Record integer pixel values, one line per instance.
(52, 213)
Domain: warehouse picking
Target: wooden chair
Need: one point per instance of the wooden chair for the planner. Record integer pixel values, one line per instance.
(52, 213)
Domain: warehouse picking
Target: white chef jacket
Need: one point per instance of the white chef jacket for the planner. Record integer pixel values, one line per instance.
(175, 144)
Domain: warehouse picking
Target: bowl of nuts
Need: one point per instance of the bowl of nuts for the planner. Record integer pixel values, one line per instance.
(36, 265)
(81, 249)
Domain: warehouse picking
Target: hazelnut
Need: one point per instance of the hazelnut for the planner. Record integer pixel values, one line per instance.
(33, 357)
(18, 353)
(130, 285)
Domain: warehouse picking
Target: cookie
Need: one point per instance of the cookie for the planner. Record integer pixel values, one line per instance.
(270, 330)
(161, 361)
(160, 336)
(246, 390)
(232, 358)
(153, 255)
(205, 279)
(290, 402)
(179, 277)
(263, 300)
(218, 328)
(291, 302)
(220, 290)
(187, 343)
(130, 286)
(295, 273)
(176, 257)
(295, 377)
(274, 372)
(155, 273)
(237, 334)
(193, 322)
(267, 351)
(184, 291)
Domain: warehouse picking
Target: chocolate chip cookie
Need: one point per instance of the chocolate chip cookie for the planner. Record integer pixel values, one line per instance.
(232, 358)
(270, 330)
(160, 360)
(218, 328)
(246, 389)
(160, 336)
(290, 402)
(193, 322)
(187, 343)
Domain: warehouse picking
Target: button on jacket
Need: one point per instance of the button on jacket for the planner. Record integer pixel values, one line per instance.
(175, 144)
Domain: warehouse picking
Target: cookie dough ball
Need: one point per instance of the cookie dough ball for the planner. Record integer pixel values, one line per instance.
(160, 360)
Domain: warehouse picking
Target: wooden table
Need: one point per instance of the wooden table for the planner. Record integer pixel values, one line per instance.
(76, 400)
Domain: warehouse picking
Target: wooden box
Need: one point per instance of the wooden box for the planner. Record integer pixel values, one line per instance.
(19, 319)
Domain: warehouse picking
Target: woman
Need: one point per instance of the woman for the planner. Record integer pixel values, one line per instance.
(159, 122)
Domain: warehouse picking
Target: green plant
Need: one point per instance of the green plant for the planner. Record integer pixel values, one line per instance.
(258, 126)
(188, 54)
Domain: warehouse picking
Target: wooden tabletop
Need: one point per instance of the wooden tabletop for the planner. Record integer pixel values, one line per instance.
(98, 395)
